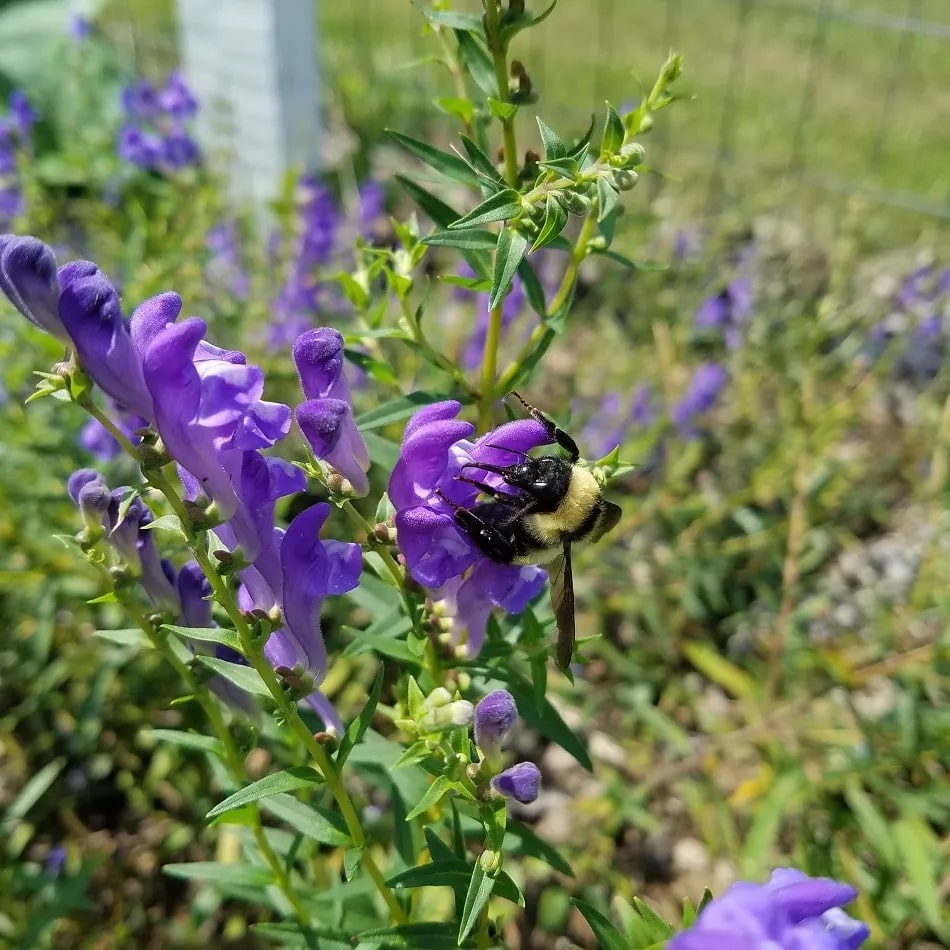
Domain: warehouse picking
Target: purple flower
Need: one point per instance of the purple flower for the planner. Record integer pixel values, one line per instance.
(522, 782)
(178, 150)
(791, 912)
(176, 99)
(55, 861)
(311, 570)
(23, 114)
(225, 267)
(372, 196)
(438, 555)
(29, 279)
(326, 418)
(727, 311)
(79, 27)
(701, 395)
(139, 147)
(495, 714)
(139, 100)
(208, 408)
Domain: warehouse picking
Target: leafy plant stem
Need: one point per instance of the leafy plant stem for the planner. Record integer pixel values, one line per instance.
(489, 368)
(542, 334)
(499, 55)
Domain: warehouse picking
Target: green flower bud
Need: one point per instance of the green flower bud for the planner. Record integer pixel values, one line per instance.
(633, 153)
(625, 179)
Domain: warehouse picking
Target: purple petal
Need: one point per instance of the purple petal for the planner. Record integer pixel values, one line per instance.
(318, 356)
(519, 437)
(90, 311)
(194, 592)
(328, 425)
(435, 412)
(28, 278)
(522, 782)
(433, 547)
(152, 316)
(424, 460)
(495, 714)
(801, 896)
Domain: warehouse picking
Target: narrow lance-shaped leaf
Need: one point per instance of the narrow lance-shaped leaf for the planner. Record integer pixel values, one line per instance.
(447, 164)
(479, 890)
(479, 64)
(481, 162)
(501, 206)
(607, 198)
(555, 219)
(469, 238)
(510, 251)
(554, 146)
(301, 776)
(612, 138)
(608, 936)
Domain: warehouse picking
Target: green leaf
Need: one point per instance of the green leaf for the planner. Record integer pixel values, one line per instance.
(395, 410)
(132, 637)
(479, 890)
(498, 207)
(217, 872)
(612, 138)
(528, 843)
(608, 198)
(444, 215)
(566, 166)
(433, 794)
(579, 151)
(544, 717)
(717, 668)
(533, 289)
(468, 238)
(223, 635)
(170, 524)
(920, 853)
(300, 776)
(442, 873)
(242, 676)
(608, 936)
(474, 57)
(360, 724)
(454, 21)
(383, 452)
(391, 643)
(378, 370)
(512, 26)
(554, 146)
(501, 110)
(34, 789)
(421, 936)
(312, 822)
(188, 740)
(876, 828)
(481, 162)
(463, 109)
(555, 218)
(511, 249)
(352, 858)
(445, 163)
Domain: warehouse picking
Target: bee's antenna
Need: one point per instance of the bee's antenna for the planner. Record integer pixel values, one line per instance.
(505, 448)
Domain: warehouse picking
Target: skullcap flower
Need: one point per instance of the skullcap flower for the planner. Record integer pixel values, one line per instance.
(522, 782)
(790, 912)
(438, 555)
(495, 714)
(329, 427)
(701, 395)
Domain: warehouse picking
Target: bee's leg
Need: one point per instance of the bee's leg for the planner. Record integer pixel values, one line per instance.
(486, 537)
(557, 434)
(488, 490)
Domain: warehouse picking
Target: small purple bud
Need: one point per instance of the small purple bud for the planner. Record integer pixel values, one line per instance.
(318, 356)
(494, 717)
(522, 782)
(328, 426)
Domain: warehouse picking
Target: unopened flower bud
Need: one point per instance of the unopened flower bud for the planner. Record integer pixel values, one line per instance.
(494, 716)
(490, 861)
(451, 716)
(522, 782)
(633, 153)
(625, 179)
(383, 533)
(577, 204)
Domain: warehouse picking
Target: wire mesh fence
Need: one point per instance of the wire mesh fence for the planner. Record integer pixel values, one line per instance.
(794, 105)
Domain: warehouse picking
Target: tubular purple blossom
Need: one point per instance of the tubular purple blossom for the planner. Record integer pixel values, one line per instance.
(790, 912)
(522, 782)
(328, 425)
(495, 714)
(29, 279)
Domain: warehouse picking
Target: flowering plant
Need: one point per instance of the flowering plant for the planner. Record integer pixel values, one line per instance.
(226, 546)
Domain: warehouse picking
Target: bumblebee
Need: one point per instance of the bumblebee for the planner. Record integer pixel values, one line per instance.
(553, 503)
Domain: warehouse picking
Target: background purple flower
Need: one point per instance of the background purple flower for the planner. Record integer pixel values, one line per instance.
(702, 393)
(154, 135)
(727, 311)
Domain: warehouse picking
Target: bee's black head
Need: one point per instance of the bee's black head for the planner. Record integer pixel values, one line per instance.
(544, 481)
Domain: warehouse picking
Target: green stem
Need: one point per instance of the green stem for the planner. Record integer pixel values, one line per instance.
(486, 401)
(542, 333)
(232, 755)
(499, 55)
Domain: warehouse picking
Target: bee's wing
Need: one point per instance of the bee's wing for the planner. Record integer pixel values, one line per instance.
(610, 516)
(562, 600)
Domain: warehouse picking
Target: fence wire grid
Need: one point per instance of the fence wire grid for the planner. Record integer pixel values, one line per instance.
(794, 105)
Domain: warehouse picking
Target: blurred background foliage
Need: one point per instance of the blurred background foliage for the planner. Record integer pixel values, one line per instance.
(768, 676)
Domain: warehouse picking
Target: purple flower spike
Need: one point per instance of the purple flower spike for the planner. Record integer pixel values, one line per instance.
(495, 714)
(329, 427)
(522, 782)
(701, 395)
(791, 912)
(176, 99)
(312, 570)
(28, 278)
(90, 311)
